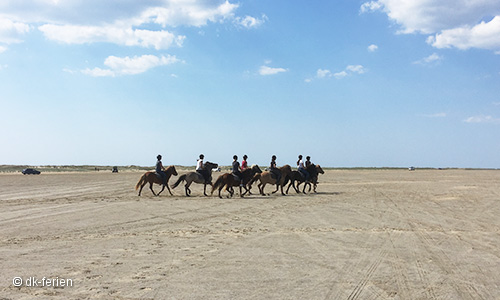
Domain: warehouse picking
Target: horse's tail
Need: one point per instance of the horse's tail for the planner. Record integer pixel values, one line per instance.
(218, 183)
(140, 182)
(255, 178)
(182, 178)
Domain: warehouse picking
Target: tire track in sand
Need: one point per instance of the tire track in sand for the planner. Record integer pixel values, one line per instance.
(441, 259)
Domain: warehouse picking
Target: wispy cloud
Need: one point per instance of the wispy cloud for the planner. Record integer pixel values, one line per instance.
(434, 58)
(349, 70)
(372, 48)
(126, 36)
(482, 119)
(266, 70)
(323, 73)
(250, 22)
(11, 31)
(370, 6)
(118, 66)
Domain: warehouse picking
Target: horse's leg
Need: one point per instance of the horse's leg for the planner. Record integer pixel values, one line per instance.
(140, 190)
(277, 187)
(289, 185)
(188, 191)
(205, 189)
(220, 190)
(168, 188)
(162, 188)
(151, 188)
(261, 188)
(297, 188)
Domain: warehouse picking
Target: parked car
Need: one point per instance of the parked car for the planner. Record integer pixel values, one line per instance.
(29, 171)
(115, 170)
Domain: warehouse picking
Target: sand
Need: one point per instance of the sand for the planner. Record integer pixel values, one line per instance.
(366, 234)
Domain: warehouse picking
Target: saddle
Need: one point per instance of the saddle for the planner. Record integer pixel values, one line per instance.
(235, 177)
(159, 176)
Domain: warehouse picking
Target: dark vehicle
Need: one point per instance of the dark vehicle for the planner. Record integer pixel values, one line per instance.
(30, 171)
(115, 170)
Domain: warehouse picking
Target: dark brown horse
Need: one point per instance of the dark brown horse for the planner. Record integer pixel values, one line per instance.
(228, 180)
(267, 177)
(296, 176)
(152, 177)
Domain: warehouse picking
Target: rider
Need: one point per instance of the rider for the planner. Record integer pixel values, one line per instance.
(236, 170)
(308, 161)
(302, 170)
(159, 170)
(244, 164)
(274, 170)
(200, 168)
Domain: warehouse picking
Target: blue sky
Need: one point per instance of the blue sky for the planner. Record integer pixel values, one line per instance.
(387, 83)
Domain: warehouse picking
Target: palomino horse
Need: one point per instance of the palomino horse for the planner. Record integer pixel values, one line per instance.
(267, 177)
(152, 177)
(197, 178)
(228, 180)
(313, 170)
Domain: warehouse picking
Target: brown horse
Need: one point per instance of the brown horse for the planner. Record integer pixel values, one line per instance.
(268, 177)
(228, 180)
(197, 178)
(313, 170)
(152, 177)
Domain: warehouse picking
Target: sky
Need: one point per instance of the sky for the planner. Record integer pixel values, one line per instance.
(352, 83)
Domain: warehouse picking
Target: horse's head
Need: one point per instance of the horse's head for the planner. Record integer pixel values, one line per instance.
(210, 165)
(256, 169)
(319, 169)
(174, 171)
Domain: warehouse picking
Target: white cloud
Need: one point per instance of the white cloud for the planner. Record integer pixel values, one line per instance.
(3, 49)
(370, 6)
(349, 70)
(433, 58)
(372, 48)
(340, 74)
(453, 23)
(483, 35)
(192, 13)
(72, 34)
(115, 21)
(323, 73)
(482, 119)
(12, 32)
(250, 22)
(265, 70)
(130, 66)
(359, 69)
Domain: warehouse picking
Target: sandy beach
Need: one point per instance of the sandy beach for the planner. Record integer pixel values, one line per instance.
(366, 234)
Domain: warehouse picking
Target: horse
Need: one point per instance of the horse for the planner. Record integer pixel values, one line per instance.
(313, 170)
(197, 178)
(152, 177)
(267, 177)
(228, 180)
